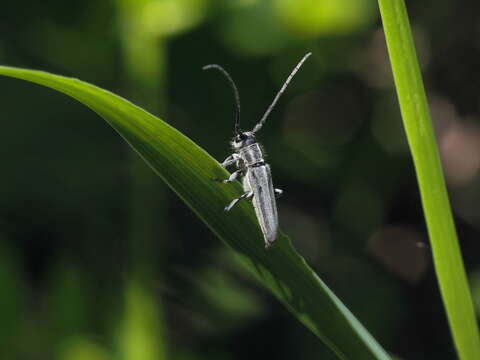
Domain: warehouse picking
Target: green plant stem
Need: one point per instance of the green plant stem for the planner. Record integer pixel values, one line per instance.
(144, 68)
(144, 62)
(421, 138)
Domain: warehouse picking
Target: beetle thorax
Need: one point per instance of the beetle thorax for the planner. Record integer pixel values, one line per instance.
(252, 155)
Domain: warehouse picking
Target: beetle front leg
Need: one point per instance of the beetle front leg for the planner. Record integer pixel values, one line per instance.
(235, 201)
(231, 178)
(230, 160)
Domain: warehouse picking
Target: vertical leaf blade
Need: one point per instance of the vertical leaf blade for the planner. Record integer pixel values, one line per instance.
(421, 138)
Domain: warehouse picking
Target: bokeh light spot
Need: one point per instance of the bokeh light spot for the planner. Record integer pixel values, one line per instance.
(310, 18)
(253, 31)
(397, 247)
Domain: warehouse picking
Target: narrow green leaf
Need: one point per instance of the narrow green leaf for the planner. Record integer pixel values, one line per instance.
(436, 206)
(188, 170)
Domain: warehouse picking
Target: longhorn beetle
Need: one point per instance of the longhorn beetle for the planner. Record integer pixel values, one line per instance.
(249, 159)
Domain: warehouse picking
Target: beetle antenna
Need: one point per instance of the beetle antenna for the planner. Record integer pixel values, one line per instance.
(282, 90)
(235, 93)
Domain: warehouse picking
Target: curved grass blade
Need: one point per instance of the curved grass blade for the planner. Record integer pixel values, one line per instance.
(187, 169)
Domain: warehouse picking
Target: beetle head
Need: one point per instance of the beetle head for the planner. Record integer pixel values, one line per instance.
(243, 139)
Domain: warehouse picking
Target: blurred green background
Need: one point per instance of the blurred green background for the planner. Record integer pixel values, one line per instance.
(99, 260)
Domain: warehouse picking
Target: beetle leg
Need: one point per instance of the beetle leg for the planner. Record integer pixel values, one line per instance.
(278, 192)
(230, 160)
(231, 178)
(235, 201)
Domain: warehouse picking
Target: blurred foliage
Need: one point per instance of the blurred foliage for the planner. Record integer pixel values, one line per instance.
(141, 337)
(80, 347)
(312, 18)
(334, 141)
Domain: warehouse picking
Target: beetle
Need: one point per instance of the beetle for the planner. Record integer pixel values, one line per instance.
(248, 157)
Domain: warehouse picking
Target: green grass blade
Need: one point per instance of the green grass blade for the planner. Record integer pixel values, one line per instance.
(188, 170)
(436, 206)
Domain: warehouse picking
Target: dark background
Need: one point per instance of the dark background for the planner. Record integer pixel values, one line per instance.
(98, 260)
